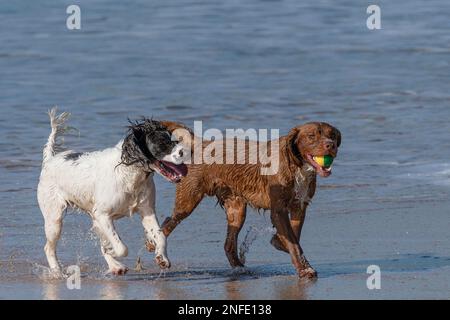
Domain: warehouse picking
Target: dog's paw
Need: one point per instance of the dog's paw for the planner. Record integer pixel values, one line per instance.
(308, 273)
(151, 247)
(163, 263)
(118, 271)
(234, 260)
(276, 243)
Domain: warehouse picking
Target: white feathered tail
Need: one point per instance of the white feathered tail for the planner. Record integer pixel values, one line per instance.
(57, 125)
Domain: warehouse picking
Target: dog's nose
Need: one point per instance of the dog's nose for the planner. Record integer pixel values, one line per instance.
(181, 153)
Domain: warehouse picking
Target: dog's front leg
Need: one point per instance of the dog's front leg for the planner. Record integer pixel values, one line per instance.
(280, 219)
(154, 234)
(114, 267)
(111, 245)
(296, 220)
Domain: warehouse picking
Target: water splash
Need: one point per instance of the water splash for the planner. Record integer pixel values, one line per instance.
(252, 234)
(45, 273)
(139, 266)
(162, 274)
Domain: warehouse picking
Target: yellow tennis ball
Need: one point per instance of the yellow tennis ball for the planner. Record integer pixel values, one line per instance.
(324, 161)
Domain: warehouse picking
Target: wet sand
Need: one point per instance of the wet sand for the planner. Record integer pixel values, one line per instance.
(414, 262)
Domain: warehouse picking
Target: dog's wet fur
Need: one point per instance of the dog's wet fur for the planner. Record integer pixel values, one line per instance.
(147, 141)
(108, 184)
(286, 194)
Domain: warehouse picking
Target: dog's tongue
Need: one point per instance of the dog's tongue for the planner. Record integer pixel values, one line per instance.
(178, 168)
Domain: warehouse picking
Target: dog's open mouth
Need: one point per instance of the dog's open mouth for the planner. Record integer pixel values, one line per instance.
(171, 171)
(324, 168)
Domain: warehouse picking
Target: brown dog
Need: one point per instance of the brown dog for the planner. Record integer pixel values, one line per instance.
(287, 192)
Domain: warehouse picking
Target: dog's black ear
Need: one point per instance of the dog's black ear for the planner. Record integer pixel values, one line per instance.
(181, 133)
(134, 148)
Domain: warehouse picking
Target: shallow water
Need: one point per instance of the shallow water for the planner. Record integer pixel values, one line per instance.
(258, 64)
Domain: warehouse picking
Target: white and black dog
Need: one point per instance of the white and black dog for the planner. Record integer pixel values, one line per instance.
(108, 185)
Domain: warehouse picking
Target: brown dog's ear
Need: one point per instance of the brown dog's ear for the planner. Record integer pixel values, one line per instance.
(172, 126)
(338, 137)
(293, 139)
(182, 132)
